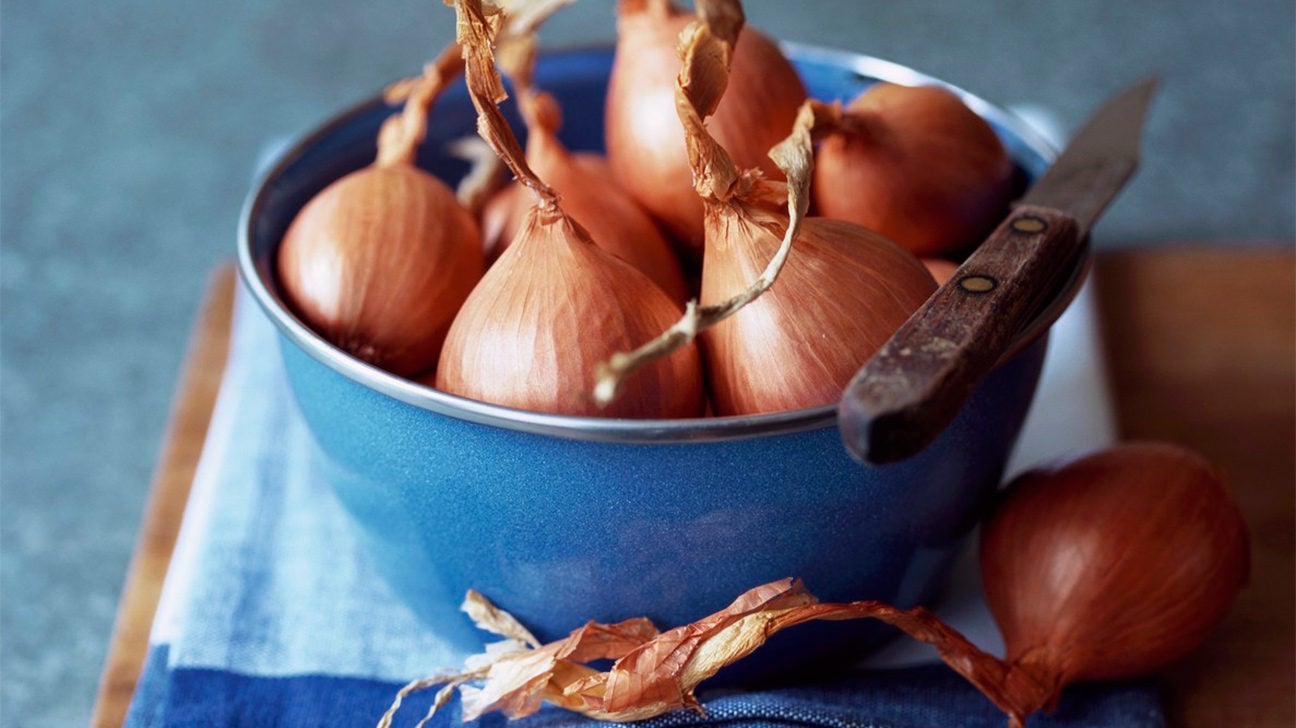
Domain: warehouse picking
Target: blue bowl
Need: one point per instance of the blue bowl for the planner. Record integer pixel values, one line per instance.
(564, 519)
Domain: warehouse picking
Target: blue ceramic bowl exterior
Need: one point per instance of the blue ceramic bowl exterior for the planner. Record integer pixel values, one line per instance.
(561, 520)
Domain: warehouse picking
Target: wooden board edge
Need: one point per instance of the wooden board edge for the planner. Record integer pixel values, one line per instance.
(1200, 348)
(186, 430)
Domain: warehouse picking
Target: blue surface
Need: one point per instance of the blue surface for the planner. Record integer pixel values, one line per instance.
(558, 530)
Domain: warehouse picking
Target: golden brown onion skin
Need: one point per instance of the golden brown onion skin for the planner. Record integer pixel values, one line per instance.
(841, 294)
(645, 140)
(551, 308)
(379, 262)
(1114, 565)
(942, 270)
(592, 197)
(922, 169)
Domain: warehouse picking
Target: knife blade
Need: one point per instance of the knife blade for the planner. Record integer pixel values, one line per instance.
(909, 391)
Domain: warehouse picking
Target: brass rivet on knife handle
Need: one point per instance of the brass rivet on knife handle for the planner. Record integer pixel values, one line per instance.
(1029, 224)
(911, 389)
(976, 284)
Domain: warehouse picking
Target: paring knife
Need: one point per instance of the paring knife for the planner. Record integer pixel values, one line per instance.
(903, 397)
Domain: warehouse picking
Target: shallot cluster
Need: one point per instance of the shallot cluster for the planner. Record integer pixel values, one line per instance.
(380, 261)
(519, 297)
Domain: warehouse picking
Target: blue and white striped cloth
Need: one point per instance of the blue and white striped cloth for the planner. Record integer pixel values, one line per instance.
(272, 616)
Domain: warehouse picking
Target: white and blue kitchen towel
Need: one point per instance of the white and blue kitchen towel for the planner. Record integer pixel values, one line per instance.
(272, 616)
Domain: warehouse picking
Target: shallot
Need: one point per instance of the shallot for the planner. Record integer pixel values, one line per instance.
(842, 290)
(554, 304)
(379, 262)
(589, 191)
(1110, 567)
(645, 144)
(917, 165)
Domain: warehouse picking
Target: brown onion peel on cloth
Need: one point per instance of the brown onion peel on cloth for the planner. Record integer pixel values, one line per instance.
(657, 672)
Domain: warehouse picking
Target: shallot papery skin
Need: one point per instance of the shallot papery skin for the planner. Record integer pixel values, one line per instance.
(1112, 566)
(942, 270)
(645, 141)
(554, 305)
(842, 293)
(547, 312)
(379, 262)
(592, 196)
(917, 165)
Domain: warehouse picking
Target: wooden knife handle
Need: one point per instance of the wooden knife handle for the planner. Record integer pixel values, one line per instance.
(903, 397)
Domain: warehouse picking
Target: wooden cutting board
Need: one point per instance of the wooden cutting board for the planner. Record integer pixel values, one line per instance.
(1200, 344)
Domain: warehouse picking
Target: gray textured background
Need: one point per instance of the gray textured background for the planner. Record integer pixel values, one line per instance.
(130, 129)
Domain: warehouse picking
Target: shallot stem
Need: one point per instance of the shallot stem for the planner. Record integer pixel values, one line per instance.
(485, 172)
(401, 134)
(725, 18)
(698, 91)
(696, 319)
(443, 696)
(659, 8)
(702, 83)
(1015, 691)
(477, 35)
(516, 51)
(997, 680)
(516, 42)
(515, 55)
(450, 681)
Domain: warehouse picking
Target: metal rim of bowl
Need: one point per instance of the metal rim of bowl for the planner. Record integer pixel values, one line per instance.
(701, 429)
